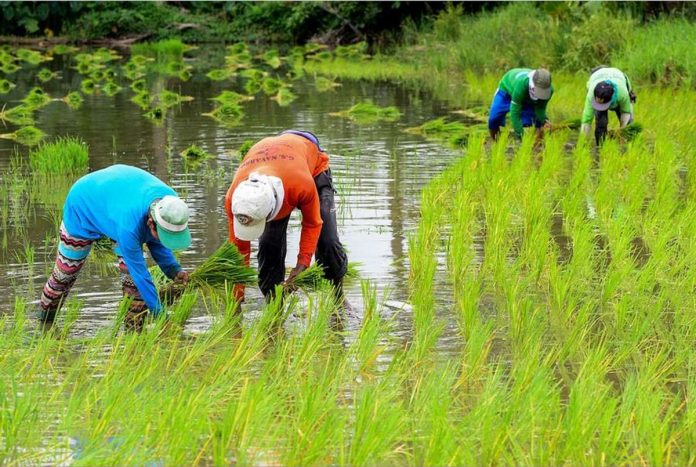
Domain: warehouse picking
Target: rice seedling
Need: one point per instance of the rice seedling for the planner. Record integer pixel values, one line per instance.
(193, 156)
(63, 156)
(6, 86)
(367, 112)
(19, 115)
(243, 149)
(163, 50)
(36, 98)
(231, 97)
(284, 97)
(45, 75)
(27, 135)
(227, 114)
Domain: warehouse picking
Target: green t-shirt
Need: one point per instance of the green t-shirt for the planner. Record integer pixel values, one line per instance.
(516, 83)
(621, 99)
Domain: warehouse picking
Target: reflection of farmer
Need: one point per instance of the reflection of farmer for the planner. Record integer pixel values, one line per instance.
(277, 175)
(132, 208)
(607, 89)
(524, 93)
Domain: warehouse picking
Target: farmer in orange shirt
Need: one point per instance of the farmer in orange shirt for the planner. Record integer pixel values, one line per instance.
(277, 175)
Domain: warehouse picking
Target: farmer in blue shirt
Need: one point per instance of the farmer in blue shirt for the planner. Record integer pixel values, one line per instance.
(524, 93)
(132, 208)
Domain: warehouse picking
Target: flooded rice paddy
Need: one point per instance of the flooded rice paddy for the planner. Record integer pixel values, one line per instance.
(379, 170)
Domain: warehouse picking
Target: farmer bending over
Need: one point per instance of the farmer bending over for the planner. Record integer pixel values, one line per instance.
(524, 93)
(132, 208)
(277, 175)
(607, 89)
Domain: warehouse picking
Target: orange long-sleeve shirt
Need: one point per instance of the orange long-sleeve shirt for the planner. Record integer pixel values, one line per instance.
(296, 161)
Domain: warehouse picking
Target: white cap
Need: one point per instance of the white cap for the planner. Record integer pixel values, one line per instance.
(254, 202)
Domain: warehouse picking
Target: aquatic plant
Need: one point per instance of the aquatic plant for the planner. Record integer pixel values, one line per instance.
(19, 115)
(27, 135)
(368, 112)
(44, 75)
(36, 98)
(63, 156)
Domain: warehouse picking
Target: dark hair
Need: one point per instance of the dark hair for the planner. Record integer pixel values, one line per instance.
(604, 91)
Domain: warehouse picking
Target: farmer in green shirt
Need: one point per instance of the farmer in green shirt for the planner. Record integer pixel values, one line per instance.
(607, 89)
(524, 93)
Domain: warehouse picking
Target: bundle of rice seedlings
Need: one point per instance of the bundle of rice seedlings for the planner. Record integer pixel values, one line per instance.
(252, 86)
(74, 100)
(627, 133)
(324, 84)
(252, 73)
(220, 74)
(28, 136)
(271, 85)
(284, 97)
(156, 114)
(19, 115)
(169, 99)
(227, 114)
(9, 68)
(36, 98)
(88, 86)
(63, 49)
(194, 152)
(368, 112)
(32, 57)
(225, 266)
(312, 279)
(46, 75)
(569, 124)
(474, 114)
(6, 86)
(231, 97)
(139, 85)
(272, 58)
(142, 100)
(244, 148)
(111, 88)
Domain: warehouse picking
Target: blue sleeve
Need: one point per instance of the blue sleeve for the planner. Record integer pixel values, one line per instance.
(132, 252)
(164, 258)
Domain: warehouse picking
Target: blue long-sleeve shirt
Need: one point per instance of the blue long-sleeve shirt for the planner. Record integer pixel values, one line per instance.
(115, 202)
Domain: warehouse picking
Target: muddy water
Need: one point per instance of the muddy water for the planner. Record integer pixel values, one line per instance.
(379, 171)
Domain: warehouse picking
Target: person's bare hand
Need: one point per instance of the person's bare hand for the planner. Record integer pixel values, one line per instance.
(288, 285)
(182, 276)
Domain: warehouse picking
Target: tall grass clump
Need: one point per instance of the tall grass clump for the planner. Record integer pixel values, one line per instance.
(64, 156)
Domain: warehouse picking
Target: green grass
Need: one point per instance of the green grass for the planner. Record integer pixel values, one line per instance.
(64, 156)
